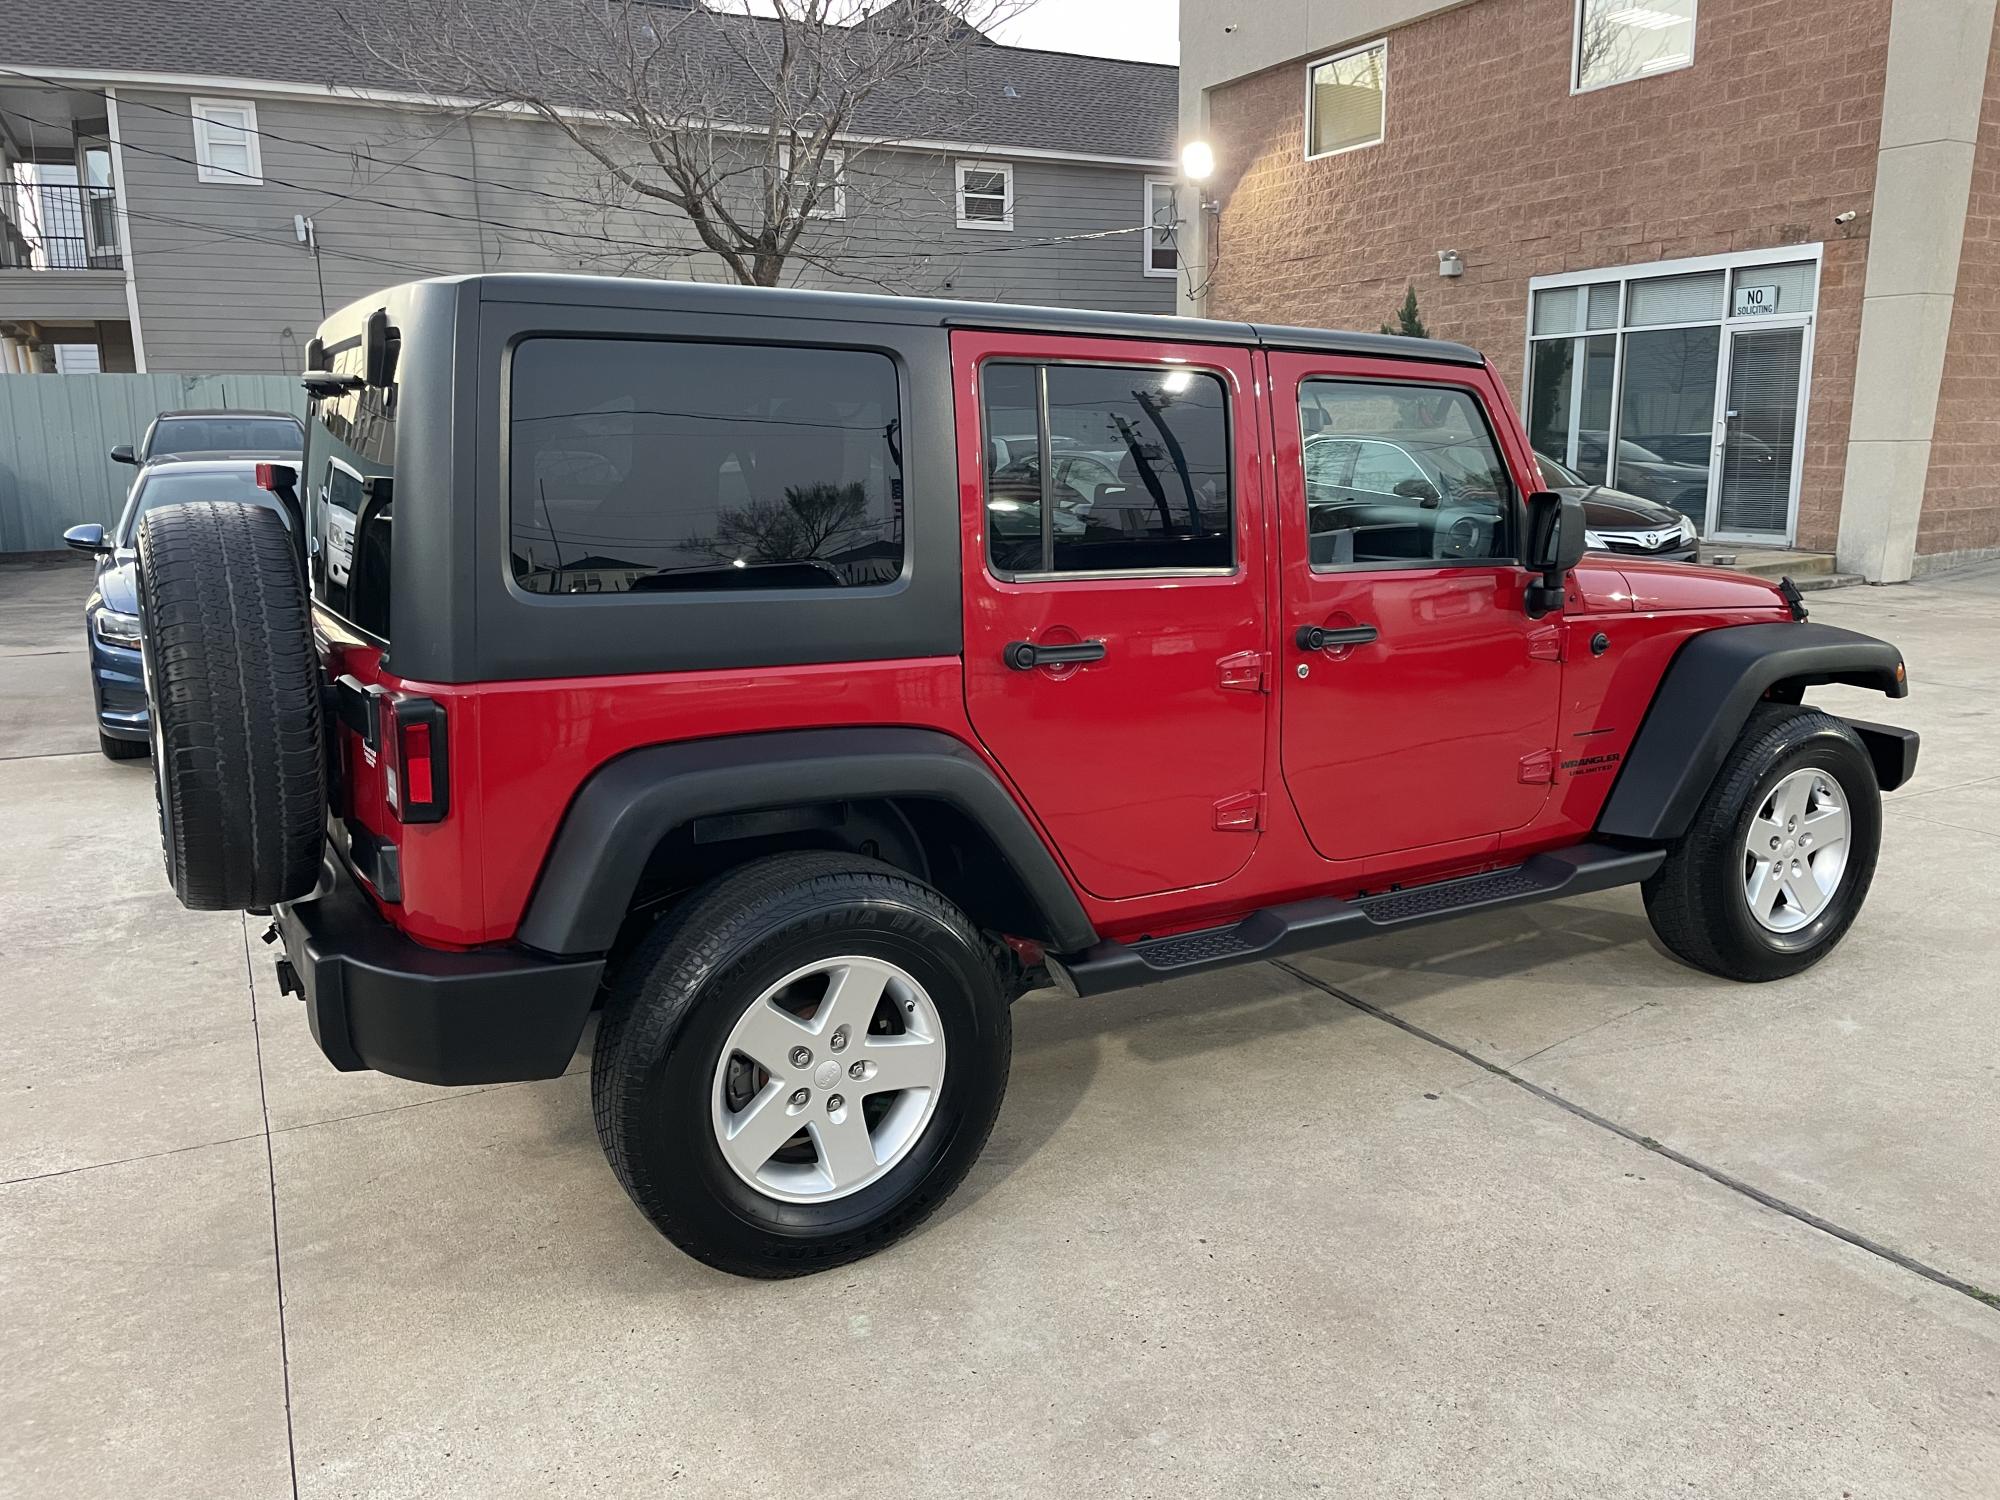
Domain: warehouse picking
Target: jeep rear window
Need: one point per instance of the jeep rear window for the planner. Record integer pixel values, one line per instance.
(651, 465)
(1106, 469)
(349, 477)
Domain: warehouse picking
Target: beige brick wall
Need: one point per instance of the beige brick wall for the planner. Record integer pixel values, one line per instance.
(1761, 143)
(1962, 489)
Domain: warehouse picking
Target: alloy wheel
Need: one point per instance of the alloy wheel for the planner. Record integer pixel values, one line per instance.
(828, 1079)
(1796, 851)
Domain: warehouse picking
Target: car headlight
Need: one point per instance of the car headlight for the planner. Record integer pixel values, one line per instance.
(1686, 528)
(115, 629)
(1592, 539)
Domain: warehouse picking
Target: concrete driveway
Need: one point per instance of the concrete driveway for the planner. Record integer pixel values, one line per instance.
(1513, 1207)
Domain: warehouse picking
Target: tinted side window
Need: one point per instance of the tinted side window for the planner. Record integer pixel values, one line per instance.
(643, 465)
(1106, 469)
(1401, 474)
(350, 478)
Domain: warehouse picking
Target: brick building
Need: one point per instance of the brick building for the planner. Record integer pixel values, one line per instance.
(1742, 256)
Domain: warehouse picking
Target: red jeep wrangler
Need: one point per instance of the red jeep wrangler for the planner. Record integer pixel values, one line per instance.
(803, 676)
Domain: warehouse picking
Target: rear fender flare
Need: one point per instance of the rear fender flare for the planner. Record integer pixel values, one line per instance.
(628, 805)
(1704, 700)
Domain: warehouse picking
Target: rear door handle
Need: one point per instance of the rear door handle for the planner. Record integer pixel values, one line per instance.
(1323, 637)
(1025, 656)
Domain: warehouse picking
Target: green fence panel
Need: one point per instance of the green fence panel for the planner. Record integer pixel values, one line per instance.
(57, 432)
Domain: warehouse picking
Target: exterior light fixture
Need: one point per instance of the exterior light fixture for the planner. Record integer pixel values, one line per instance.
(1197, 161)
(1450, 263)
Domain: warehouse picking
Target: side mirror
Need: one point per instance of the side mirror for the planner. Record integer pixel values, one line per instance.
(1554, 543)
(123, 454)
(88, 537)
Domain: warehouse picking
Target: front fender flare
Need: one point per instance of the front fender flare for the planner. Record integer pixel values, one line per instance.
(1704, 700)
(631, 803)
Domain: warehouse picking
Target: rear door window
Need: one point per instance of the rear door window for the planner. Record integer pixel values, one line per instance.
(1106, 469)
(645, 466)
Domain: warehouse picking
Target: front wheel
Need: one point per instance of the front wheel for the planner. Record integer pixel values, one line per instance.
(1775, 866)
(800, 1064)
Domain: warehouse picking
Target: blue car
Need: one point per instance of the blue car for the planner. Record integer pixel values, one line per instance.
(111, 614)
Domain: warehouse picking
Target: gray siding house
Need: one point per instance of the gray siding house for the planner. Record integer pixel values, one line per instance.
(186, 188)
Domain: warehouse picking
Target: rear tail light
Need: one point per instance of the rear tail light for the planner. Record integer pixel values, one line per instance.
(418, 777)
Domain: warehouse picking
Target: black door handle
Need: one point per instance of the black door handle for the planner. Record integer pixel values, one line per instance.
(1320, 637)
(1025, 656)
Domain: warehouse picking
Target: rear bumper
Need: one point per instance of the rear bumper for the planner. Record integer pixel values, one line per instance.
(375, 999)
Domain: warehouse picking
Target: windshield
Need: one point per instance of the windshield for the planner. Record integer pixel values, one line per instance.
(170, 487)
(226, 435)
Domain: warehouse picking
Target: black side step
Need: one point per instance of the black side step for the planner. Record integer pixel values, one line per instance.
(1278, 930)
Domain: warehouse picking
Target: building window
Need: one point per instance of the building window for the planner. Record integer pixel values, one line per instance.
(1619, 40)
(831, 202)
(1681, 382)
(985, 195)
(1106, 469)
(1163, 217)
(1344, 100)
(225, 141)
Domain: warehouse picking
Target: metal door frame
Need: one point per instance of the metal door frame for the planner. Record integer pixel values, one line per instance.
(1731, 328)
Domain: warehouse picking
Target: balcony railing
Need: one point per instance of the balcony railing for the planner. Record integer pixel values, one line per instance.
(49, 226)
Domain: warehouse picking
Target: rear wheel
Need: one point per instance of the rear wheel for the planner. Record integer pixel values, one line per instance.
(797, 1068)
(233, 683)
(1775, 867)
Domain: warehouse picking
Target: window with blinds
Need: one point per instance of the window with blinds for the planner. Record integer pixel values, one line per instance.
(1345, 97)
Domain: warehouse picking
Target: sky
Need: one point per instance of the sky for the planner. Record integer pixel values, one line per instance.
(1148, 30)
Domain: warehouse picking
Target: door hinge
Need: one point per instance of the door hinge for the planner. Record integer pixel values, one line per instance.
(1245, 672)
(1243, 813)
(1539, 768)
(1546, 643)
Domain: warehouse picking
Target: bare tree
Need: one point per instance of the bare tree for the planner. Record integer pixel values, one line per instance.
(769, 134)
(802, 527)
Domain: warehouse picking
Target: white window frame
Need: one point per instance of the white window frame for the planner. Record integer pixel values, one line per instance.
(835, 159)
(982, 164)
(1334, 57)
(1146, 246)
(1729, 263)
(1576, 83)
(205, 168)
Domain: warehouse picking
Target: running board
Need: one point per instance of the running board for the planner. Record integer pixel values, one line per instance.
(1300, 925)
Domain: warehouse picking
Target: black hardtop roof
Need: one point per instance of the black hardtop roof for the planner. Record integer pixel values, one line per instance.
(780, 302)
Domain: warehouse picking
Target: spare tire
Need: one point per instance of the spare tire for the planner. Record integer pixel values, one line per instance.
(233, 682)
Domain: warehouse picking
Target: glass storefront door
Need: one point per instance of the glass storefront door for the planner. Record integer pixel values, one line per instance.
(1760, 430)
(1682, 382)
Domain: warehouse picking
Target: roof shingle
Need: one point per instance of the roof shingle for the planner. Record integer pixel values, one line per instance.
(1017, 97)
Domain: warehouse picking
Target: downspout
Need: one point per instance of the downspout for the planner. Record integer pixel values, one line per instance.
(119, 187)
